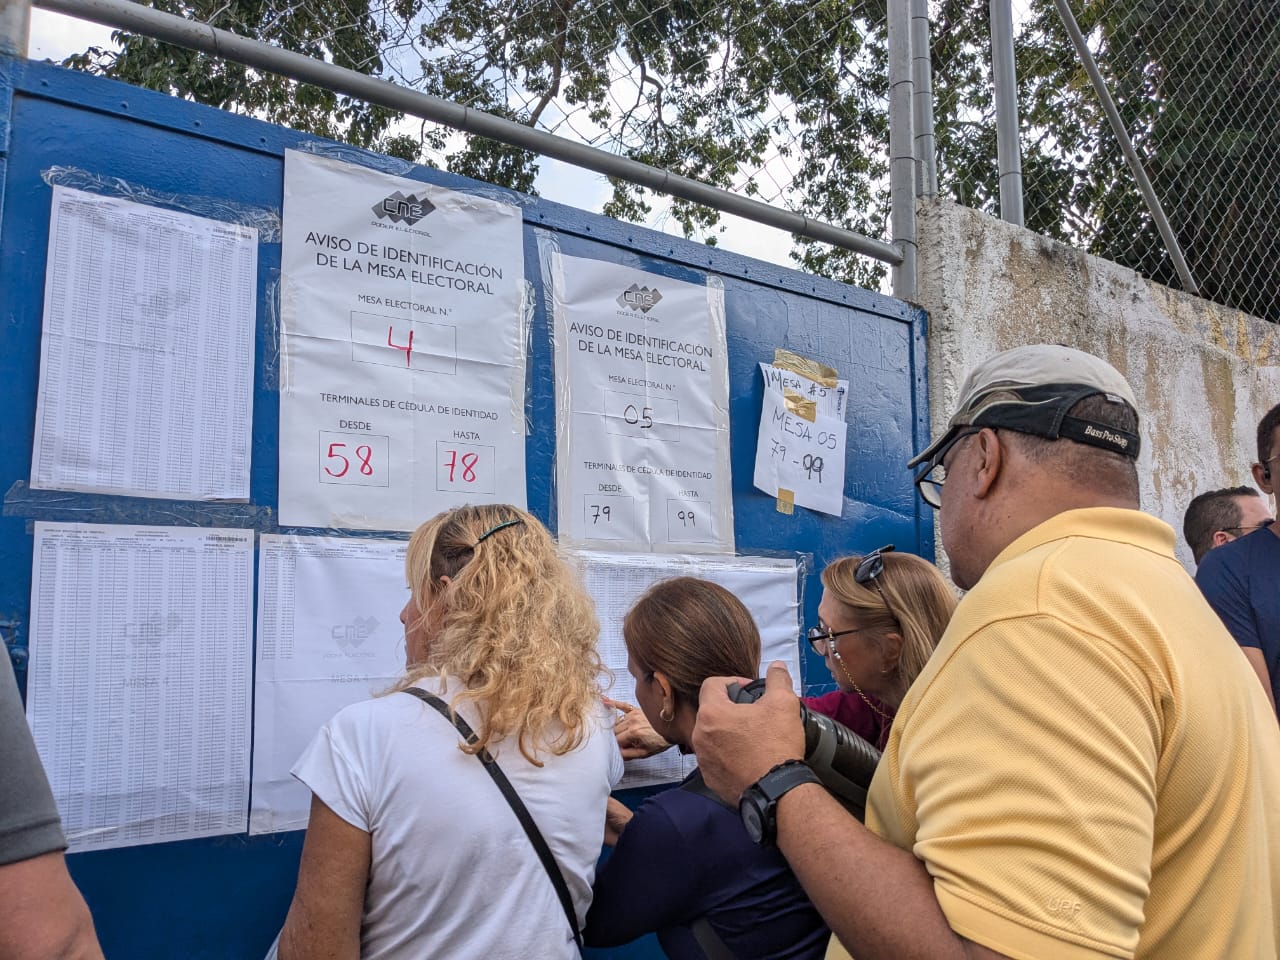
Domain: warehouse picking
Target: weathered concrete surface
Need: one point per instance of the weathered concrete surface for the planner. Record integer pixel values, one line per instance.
(1203, 374)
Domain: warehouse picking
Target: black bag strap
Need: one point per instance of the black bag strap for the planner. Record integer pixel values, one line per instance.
(517, 807)
(712, 943)
(695, 784)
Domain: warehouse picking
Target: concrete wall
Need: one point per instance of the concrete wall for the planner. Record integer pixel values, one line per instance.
(1203, 374)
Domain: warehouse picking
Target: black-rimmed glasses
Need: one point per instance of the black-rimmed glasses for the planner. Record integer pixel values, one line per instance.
(821, 637)
(929, 481)
(1240, 531)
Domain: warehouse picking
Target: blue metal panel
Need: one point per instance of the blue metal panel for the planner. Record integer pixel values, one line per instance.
(225, 898)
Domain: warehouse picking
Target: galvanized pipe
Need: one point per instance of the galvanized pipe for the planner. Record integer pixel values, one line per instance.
(1004, 76)
(1126, 145)
(922, 100)
(902, 161)
(135, 18)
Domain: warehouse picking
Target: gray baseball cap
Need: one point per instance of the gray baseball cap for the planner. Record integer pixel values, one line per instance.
(1029, 390)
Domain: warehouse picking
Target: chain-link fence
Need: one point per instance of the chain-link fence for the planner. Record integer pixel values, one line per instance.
(786, 101)
(782, 101)
(1197, 86)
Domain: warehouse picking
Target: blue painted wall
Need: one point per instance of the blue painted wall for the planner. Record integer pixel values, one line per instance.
(226, 897)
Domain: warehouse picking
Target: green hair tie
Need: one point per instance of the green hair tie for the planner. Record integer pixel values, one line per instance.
(489, 533)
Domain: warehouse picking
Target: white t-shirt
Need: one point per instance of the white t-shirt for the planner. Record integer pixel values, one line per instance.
(453, 873)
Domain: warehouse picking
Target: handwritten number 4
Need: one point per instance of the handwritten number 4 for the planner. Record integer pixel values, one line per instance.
(408, 350)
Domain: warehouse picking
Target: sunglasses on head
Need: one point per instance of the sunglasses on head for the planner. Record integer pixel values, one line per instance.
(867, 572)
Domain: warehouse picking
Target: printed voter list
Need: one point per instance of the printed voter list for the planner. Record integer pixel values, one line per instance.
(403, 315)
(642, 434)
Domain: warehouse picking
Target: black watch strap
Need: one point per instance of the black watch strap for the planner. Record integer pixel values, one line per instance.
(759, 804)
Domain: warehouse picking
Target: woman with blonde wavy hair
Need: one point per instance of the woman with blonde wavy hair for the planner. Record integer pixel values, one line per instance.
(413, 850)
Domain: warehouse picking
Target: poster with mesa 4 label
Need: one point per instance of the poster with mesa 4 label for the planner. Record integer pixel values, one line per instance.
(642, 384)
(403, 349)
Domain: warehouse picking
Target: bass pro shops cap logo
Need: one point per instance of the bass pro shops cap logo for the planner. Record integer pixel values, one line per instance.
(636, 297)
(401, 209)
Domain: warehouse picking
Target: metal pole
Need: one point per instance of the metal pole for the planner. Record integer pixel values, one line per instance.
(15, 27)
(135, 18)
(1126, 145)
(902, 162)
(922, 79)
(1004, 74)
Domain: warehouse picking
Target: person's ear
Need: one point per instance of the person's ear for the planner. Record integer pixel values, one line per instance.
(1220, 537)
(891, 653)
(667, 690)
(989, 457)
(1262, 477)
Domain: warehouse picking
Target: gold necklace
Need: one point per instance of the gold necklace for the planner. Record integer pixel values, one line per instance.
(858, 690)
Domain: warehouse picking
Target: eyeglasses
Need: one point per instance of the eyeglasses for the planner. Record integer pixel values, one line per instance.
(929, 481)
(1239, 531)
(820, 638)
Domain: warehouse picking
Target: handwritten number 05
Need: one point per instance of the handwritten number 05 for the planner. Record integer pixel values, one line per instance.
(643, 417)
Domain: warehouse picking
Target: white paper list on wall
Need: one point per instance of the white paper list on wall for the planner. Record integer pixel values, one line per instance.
(146, 353)
(138, 690)
(642, 434)
(403, 357)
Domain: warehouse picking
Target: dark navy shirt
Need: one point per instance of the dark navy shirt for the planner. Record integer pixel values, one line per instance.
(1241, 581)
(684, 856)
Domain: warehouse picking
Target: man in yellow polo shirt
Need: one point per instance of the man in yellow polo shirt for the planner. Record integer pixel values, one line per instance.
(1087, 767)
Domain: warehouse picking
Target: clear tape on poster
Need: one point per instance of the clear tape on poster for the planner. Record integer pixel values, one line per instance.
(272, 337)
(58, 506)
(397, 167)
(521, 382)
(265, 221)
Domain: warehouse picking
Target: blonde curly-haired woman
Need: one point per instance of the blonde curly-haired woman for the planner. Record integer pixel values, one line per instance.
(413, 850)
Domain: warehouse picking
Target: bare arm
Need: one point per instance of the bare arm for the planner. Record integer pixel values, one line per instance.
(1259, 664)
(898, 916)
(42, 914)
(324, 918)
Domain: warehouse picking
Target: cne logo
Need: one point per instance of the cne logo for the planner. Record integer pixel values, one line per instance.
(636, 297)
(349, 636)
(399, 208)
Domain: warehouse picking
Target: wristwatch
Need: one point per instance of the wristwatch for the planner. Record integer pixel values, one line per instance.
(758, 806)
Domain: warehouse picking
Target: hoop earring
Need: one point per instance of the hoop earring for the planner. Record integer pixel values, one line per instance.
(662, 715)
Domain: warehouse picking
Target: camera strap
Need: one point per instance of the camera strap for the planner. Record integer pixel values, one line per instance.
(711, 942)
(517, 807)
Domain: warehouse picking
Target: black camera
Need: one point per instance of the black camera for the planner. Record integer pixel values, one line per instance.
(843, 760)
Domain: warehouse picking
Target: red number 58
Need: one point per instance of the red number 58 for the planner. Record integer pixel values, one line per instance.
(364, 453)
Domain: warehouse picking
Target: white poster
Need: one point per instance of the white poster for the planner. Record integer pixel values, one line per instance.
(769, 588)
(138, 693)
(403, 358)
(329, 635)
(146, 353)
(800, 450)
(642, 441)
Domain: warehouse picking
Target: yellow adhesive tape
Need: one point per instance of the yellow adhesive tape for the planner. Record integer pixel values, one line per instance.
(786, 501)
(806, 408)
(810, 369)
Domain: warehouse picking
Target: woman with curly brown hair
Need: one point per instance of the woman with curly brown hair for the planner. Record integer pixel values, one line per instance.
(413, 850)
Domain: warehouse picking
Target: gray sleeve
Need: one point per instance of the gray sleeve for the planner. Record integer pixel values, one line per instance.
(29, 824)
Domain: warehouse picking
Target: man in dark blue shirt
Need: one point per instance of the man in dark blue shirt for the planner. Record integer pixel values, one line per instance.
(1241, 580)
